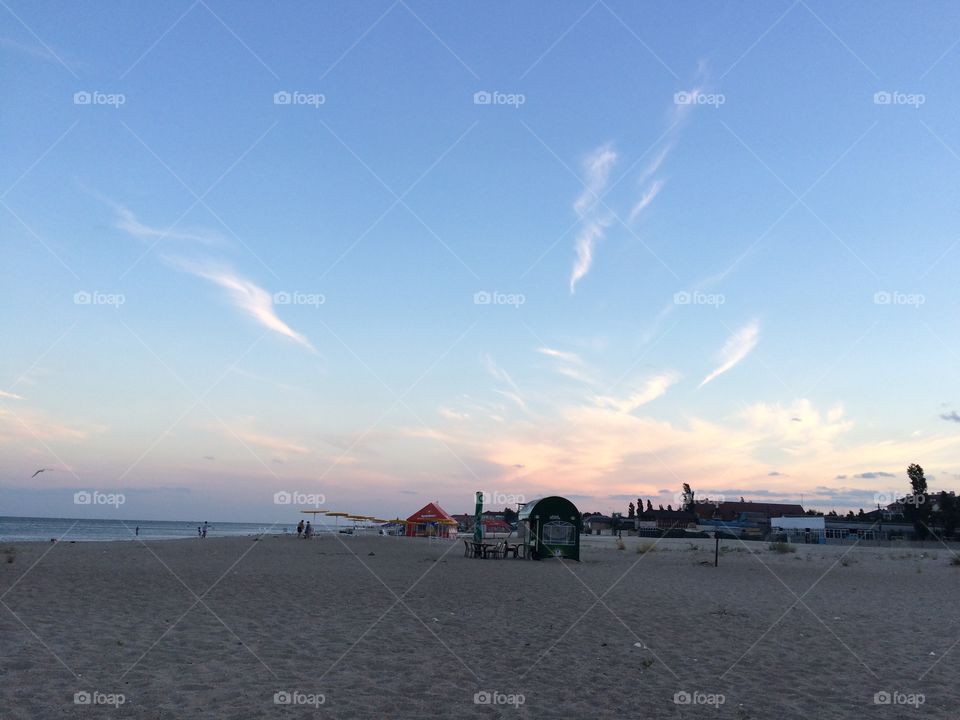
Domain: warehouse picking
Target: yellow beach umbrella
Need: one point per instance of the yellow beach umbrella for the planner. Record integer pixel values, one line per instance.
(337, 515)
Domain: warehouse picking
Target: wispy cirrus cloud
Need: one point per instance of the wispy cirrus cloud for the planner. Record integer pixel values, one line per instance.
(10, 395)
(244, 430)
(498, 373)
(597, 167)
(125, 219)
(245, 295)
(654, 165)
(568, 364)
(586, 240)
(648, 197)
(648, 391)
(737, 347)
(26, 426)
(561, 355)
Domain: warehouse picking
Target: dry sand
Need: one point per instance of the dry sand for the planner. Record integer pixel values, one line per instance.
(387, 627)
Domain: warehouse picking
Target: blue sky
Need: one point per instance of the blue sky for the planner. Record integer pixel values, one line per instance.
(693, 243)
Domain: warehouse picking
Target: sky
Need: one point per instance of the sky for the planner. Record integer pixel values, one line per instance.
(389, 253)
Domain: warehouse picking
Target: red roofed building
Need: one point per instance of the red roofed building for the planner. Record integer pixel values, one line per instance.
(730, 511)
(430, 521)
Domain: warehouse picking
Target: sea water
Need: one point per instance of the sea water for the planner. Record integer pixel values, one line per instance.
(67, 529)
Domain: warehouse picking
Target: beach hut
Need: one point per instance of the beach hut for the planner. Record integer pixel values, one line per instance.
(550, 527)
(430, 521)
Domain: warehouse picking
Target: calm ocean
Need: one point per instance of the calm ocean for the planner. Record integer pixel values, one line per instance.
(66, 529)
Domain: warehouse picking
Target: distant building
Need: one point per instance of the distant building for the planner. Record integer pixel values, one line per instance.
(667, 519)
(598, 524)
(806, 529)
(730, 511)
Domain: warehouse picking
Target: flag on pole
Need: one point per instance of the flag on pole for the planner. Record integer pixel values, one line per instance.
(478, 519)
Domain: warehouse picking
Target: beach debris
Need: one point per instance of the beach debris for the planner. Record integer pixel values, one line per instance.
(647, 664)
(371, 553)
(10, 554)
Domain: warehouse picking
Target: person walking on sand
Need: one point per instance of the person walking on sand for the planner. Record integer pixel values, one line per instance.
(308, 531)
(299, 528)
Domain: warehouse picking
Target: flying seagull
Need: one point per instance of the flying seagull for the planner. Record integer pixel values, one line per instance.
(40, 471)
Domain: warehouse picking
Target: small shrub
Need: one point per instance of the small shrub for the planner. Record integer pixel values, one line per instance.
(644, 548)
(782, 547)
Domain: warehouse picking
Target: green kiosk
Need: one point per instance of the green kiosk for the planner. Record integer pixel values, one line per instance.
(550, 527)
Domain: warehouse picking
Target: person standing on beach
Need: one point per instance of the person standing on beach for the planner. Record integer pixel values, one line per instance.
(137, 531)
(204, 534)
(299, 528)
(308, 531)
(199, 532)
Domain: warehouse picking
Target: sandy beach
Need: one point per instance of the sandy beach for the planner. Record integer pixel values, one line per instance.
(383, 627)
